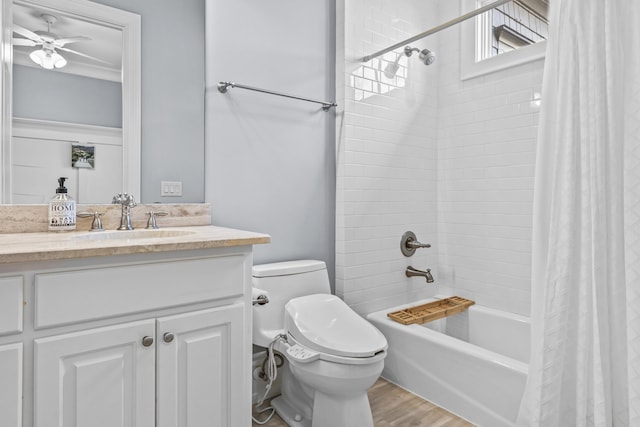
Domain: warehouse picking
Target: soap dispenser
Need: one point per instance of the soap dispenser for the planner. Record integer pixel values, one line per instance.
(62, 209)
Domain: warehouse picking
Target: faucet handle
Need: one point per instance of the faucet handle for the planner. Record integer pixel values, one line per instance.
(414, 244)
(151, 222)
(409, 243)
(96, 224)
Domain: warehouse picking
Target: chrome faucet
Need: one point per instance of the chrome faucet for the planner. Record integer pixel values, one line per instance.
(410, 272)
(127, 202)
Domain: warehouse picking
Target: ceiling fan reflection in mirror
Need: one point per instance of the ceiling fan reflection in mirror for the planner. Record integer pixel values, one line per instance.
(47, 56)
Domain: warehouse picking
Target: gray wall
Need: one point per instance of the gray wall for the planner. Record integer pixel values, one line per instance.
(270, 160)
(65, 97)
(172, 95)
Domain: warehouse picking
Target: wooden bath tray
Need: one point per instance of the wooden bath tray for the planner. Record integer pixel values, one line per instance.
(431, 311)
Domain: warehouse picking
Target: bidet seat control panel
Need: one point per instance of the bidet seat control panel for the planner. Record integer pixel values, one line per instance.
(302, 354)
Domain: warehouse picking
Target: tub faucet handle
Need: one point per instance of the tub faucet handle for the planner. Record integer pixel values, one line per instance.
(409, 243)
(416, 245)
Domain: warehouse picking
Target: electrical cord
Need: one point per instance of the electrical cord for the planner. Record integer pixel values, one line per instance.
(271, 373)
(266, 420)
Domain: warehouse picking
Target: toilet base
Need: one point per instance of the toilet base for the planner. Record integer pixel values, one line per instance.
(326, 394)
(289, 414)
(328, 411)
(341, 411)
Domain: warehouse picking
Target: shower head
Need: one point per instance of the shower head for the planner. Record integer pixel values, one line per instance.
(426, 57)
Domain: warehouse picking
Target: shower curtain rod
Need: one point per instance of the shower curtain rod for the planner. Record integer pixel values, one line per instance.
(224, 86)
(440, 27)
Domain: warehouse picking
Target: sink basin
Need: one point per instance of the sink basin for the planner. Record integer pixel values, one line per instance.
(134, 234)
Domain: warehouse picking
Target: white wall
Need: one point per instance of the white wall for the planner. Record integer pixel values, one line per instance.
(270, 160)
(387, 156)
(450, 159)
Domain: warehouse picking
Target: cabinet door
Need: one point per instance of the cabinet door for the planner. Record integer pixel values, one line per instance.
(100, 378)
(11, 384)
(202, 374)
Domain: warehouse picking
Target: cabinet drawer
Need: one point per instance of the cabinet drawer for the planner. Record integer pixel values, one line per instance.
(80, 295)
(11, 300)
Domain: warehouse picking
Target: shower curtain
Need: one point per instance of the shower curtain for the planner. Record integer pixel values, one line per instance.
(585, 359)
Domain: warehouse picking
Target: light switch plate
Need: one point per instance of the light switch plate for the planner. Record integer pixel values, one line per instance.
(170, 188)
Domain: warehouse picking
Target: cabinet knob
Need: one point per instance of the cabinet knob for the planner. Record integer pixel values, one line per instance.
(168, 337)
(147, 341)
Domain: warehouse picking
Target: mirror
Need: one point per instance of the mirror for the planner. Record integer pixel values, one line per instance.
(50, 126)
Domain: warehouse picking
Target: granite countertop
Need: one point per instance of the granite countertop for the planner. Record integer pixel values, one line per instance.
(45, 246)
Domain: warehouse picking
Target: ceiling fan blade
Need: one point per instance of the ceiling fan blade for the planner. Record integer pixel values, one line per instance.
(26, 33)
(82, 54)
(62, 42)
(23, 42)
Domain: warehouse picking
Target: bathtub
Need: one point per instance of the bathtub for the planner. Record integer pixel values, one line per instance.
(473, 364)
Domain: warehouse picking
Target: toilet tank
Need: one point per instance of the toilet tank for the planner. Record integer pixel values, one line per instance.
(283, 281)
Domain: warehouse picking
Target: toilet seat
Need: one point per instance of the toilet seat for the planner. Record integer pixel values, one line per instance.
(325, 324)
(295, 351)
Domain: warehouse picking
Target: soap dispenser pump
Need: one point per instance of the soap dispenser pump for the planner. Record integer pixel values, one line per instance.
(62, 209)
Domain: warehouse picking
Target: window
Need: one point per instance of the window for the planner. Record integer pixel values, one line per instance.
(508, 35)
(513, 25)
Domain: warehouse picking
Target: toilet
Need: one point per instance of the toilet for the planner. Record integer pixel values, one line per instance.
(334, 355)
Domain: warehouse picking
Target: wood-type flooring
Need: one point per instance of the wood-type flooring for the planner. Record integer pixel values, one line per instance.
(393, 406)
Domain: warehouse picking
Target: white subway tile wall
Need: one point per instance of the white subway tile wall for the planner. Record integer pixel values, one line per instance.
(451, 160)
(487, 129)
(386, 157)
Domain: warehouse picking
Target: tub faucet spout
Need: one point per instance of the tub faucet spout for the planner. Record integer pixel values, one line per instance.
(410, 272)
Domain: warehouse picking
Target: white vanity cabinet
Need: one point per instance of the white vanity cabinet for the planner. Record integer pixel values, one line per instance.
(11, 296)
(11, 384)
(98, 377)
(108, 377)
(198, 370)
(141, 340)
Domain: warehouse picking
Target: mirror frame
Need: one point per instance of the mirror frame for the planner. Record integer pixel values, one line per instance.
(130, 25)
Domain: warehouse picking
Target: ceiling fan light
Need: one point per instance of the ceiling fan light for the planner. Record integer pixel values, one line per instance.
(48, 60)
(58, 60)
(38, 56)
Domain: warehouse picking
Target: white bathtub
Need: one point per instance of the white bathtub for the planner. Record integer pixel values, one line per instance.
(473, 364)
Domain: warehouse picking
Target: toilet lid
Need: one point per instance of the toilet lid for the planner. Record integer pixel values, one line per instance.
(323, 322)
